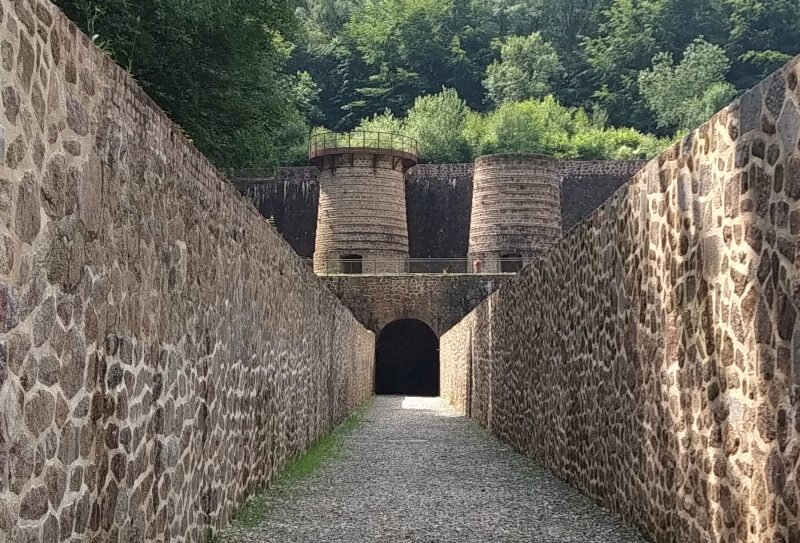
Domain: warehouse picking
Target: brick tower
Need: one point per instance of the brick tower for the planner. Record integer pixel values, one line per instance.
(362, 224)
(516, 210)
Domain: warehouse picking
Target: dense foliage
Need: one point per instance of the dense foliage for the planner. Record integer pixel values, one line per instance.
(447, 130)
(247, 78)
(217, 68)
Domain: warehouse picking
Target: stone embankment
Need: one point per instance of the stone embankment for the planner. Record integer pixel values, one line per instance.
(163, 353)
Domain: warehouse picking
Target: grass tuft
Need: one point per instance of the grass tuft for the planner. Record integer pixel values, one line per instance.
(322, 452)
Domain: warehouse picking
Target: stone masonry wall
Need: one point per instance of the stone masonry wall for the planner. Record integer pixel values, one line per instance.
(438, 201)
(290, 196)
(585, 185)
(652, 358)
(439, 204)
(440, 301)
(163, 353)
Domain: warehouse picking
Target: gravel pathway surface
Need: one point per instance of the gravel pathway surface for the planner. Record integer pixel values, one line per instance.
(415, 471)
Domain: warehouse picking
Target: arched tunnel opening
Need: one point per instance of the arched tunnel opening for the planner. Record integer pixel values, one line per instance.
(407, 359)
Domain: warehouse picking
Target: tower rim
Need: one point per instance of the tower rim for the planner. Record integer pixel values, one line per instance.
(526, 157)
(332, 144)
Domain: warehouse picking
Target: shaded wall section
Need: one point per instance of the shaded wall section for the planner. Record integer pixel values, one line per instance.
(652, 358)
(585, 185)
(438, 201)
(440, 301)
(150, 377)
(287, 196)
(439, 204)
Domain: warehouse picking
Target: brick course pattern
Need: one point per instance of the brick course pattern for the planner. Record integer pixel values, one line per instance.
(438, 201)
(156, 366)
(362, 211)
(440, 301)
(652, 358)
(516, 208)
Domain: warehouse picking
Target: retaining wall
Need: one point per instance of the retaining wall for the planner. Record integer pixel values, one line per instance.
(163, 353)
(652, 358)
(438, 201)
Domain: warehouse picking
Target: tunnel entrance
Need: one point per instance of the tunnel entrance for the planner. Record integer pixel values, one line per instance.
(407, 359)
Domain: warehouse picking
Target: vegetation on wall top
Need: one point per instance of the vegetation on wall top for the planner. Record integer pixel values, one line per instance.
(247, 79)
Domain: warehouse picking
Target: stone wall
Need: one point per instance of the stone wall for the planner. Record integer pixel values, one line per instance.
(440, 301)
(438, 201)
(586, 185)
(653, 357)
(289, 197)
(163, 353)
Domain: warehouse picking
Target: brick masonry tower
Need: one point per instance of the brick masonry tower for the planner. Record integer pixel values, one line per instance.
(362, 225)
(516, 210)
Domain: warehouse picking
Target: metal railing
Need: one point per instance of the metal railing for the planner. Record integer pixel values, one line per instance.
(455, 266)
(327, 143)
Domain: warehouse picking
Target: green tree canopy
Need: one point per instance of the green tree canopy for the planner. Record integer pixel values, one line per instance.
(764, 35)
(437, 123)
(527, 67)
(685, 95)
(216, 68)
(414, 47)
(246, 78)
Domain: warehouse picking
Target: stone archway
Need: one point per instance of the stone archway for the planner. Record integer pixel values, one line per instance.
(407, 359)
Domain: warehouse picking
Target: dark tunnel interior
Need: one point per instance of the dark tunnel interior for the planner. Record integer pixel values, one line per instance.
(407, 359)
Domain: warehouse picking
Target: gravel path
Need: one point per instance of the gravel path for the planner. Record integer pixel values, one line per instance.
(415, 471)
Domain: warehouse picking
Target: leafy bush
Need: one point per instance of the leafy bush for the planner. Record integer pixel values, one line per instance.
(437, 122)
(448, 131)
(527, 67)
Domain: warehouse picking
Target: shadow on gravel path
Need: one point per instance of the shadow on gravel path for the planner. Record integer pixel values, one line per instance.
(414, 471)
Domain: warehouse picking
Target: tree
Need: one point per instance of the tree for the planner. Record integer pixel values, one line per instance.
(685, 95)
(414, 47)
(630, 34)
(325, 51)
(528, 65)
(437, 123)
(383, 122)
(545, 126)
(532, 126)
(218, 69)
(764, 35)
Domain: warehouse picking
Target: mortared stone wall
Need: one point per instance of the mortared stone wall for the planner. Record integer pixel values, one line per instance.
(163, 353)
(438, 300)
(652, 357)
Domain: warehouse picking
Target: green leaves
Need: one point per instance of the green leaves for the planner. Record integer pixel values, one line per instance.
(218, 69)
(545, 126)
(526, 70)
(246, 78)
(685, 95)
(448, 131)
(437, 123)
(412, 47)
